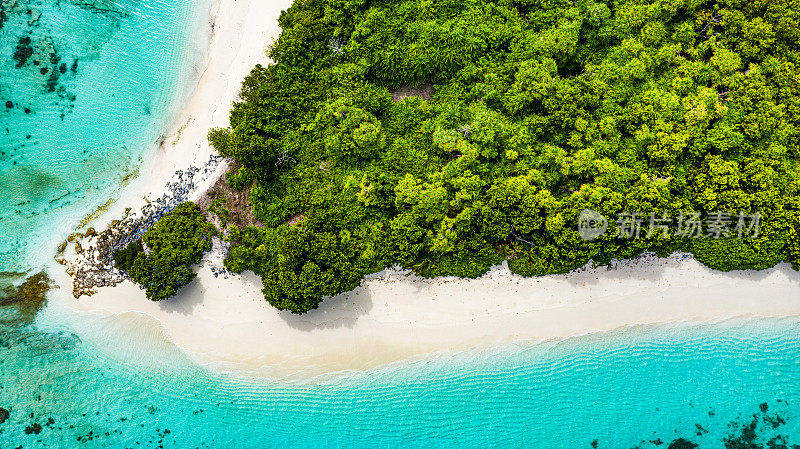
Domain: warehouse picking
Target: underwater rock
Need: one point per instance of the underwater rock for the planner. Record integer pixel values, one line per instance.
(34, 16)
(682, 443)
(34, 429)
(23, 51)
(4, 415)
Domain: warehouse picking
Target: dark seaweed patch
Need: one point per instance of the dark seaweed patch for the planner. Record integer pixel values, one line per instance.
(778, 442)
(52, 81)
(34, 429)
(746, 438)
(28, 297)
(98, 8)
(682, 443)
(23, 51)
(759, 431)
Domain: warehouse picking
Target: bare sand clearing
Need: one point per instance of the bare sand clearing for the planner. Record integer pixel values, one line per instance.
(226, 323)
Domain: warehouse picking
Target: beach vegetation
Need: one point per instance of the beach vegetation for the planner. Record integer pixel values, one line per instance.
(537, 110)
(174, 245)
(125, 257)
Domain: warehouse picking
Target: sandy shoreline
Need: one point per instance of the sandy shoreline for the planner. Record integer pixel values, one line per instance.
(226, 323)
(238, 35)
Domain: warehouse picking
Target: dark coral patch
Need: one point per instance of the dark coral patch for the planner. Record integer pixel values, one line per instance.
(682, 443)
(23, 51)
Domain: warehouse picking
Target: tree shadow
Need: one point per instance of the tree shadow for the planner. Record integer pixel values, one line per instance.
(645, 267)
(186, 300)
(757, 275)
(340, 311)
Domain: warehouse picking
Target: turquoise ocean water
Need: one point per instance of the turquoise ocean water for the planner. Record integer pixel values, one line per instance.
(727, 385)
(87, 88)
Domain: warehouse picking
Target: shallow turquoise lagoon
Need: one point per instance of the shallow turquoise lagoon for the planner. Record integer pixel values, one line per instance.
(87, 89)
(714, 385)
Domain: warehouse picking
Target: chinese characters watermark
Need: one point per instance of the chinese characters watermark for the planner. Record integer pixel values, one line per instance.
(635, 225)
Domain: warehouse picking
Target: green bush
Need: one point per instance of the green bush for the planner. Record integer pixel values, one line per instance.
(125, 257)
(240, 179)
(176, 243)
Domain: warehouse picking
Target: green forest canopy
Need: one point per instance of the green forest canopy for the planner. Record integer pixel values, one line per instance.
(541, 108)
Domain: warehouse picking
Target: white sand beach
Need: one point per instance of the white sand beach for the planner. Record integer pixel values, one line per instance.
(226, 323)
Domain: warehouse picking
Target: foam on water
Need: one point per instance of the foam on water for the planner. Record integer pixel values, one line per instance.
(91, 88)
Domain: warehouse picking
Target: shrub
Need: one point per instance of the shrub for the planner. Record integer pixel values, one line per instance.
(176, 243)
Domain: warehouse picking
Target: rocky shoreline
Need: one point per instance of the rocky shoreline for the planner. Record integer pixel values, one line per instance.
(88, 255)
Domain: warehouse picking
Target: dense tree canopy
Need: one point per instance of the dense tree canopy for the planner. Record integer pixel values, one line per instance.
(176, 243)
(541, 109)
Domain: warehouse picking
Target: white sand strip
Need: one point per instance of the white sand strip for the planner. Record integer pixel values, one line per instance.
(241, 31)
(227, 324)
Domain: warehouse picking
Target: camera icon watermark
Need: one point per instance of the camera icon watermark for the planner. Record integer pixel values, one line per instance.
(591, 224)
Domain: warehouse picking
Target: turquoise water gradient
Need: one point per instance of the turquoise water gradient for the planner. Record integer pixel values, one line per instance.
(87, 89)
(69, 138)
(620, 389)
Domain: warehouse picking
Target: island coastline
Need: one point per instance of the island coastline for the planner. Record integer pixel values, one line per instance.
(392, 316)
(224, 322)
